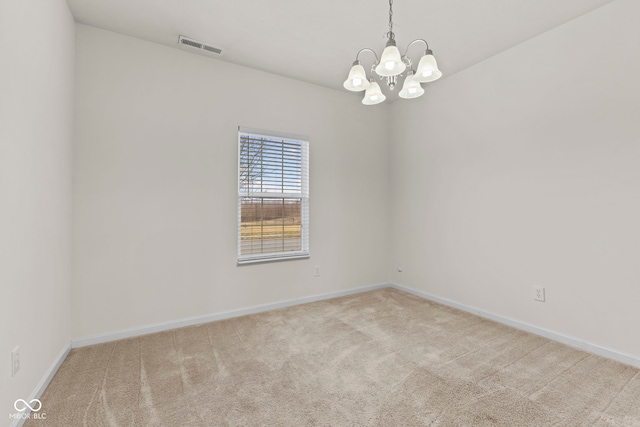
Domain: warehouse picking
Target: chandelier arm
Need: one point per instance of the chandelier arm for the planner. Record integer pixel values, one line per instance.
(366, 49)
(416, 40)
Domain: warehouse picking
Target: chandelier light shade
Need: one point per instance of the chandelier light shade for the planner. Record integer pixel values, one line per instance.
(357, 79)
(411, 88)
(373, 94)
(390, 62)
(391, 66)
(427, 70)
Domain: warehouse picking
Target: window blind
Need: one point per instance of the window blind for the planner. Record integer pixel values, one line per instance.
(273, 196)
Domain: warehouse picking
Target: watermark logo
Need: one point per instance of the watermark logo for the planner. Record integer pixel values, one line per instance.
(34, 406)
(21, 405)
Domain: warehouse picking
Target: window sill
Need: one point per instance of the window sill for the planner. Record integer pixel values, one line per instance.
(271, 258)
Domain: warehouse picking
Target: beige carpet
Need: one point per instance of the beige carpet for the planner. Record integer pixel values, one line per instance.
(381, 358)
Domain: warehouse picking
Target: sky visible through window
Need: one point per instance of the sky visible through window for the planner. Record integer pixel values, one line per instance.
(269, 165)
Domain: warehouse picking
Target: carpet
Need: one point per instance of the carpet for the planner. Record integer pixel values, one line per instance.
(379, 358)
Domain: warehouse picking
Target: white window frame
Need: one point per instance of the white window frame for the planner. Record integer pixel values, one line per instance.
(303, 195)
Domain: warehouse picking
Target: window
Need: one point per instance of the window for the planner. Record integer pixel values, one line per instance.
(273, 196)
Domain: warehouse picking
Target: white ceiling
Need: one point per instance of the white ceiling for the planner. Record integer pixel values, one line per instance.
(316, 41)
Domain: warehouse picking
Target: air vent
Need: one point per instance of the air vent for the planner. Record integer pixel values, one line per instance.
(194, 44)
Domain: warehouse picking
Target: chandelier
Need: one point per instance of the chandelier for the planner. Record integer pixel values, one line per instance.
(390, 66)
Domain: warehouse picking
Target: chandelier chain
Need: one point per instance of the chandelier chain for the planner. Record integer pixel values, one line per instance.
(390, 34)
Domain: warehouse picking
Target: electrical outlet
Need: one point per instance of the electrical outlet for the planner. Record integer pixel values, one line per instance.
(538, 293)
(15, 361)
(316, 271)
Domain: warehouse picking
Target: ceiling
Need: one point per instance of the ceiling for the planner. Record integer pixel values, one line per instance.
(316, 41)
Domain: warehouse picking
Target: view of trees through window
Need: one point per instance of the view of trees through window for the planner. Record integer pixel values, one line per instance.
(270, 225)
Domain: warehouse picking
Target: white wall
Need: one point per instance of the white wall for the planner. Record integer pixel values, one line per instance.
(155, 192)
(36, 114)
(524, 170)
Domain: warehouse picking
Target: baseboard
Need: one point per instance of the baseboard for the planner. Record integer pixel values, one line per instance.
(46, 379)
(564, 339)
(145, 330)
